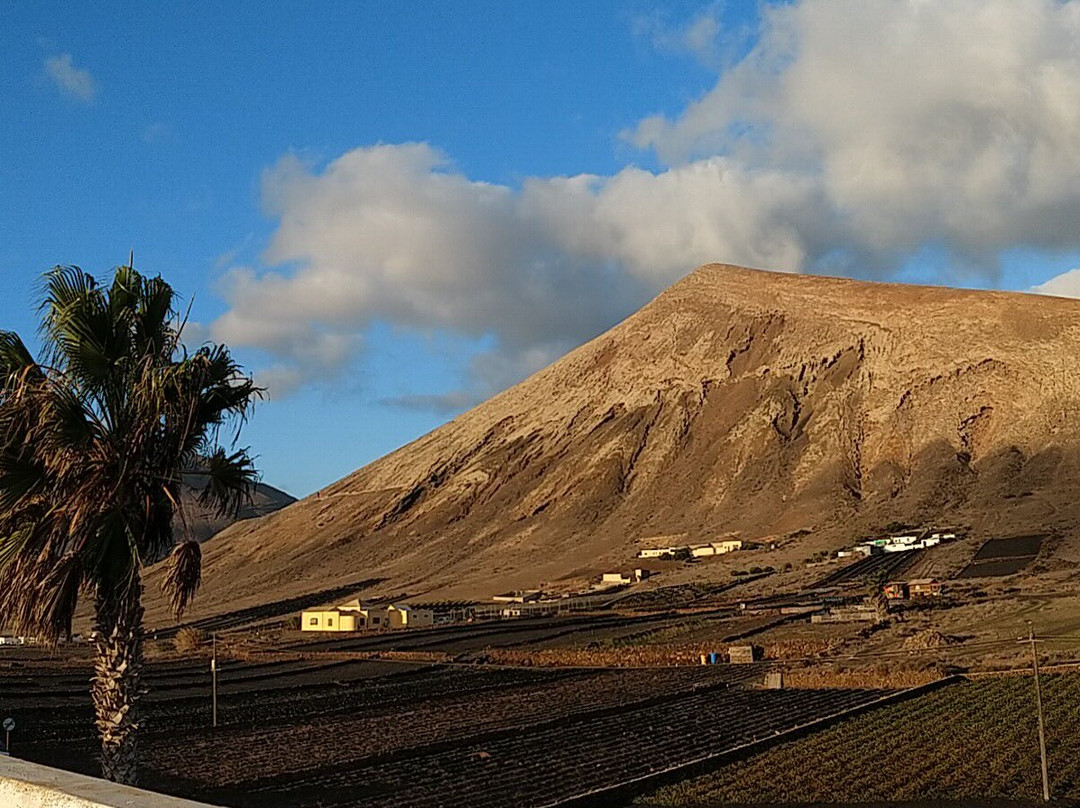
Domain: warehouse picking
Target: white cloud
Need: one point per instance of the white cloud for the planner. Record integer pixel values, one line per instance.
(1067, 284)
(954, 122)
(855, 133)
(700, 36)
(71, 80)
(393, 233)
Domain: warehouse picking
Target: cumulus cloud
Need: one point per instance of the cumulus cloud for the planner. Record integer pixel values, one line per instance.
(852, 135)
(952, 122)
(73, 81)
(393, 233)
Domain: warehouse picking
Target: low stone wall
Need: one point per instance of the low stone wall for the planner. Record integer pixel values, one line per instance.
(28, 785)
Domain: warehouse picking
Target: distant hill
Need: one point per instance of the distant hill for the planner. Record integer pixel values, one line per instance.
(204, 523)
(737, 400)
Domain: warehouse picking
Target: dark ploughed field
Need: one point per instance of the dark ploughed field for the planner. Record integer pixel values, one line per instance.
(337, 732)
(1000, 557)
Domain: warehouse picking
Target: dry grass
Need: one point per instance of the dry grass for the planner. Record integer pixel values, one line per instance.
(189, 640)
(881, 678)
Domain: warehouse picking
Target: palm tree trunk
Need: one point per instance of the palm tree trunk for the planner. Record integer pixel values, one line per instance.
(116, 688)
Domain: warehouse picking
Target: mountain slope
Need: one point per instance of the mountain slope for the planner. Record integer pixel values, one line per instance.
(737, 400)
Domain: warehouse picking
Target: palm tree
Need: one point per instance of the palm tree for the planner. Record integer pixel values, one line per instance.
(94, 440)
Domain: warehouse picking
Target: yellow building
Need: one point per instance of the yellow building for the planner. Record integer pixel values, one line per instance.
(355, 616)
(367, 616)
(327, 620)
(405, 616)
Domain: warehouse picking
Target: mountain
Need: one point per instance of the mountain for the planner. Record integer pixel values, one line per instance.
(737, 401)
(203, 522)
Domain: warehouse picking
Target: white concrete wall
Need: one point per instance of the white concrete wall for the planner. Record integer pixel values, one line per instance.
(28, 785)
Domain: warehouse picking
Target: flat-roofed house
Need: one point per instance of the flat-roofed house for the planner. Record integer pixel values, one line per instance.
(327, 620)
(401, 615)
(367, 616)
(727, 546)
(926, 588)
(523, 596)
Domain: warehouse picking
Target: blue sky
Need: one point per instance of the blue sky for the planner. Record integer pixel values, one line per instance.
(393, 210)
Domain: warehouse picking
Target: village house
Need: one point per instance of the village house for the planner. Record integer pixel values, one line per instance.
(634, 577)
(327, 620)
(404, 616)
(357, 616)
(916, 588)
(658, 552)
(926, 588)
(716, 548)
(522, 596)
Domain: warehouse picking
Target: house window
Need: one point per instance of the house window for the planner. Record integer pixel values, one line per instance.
(314, 621)
(374, 621)
(329, 621)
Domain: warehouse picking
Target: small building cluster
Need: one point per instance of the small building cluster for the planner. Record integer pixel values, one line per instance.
(914, 589)
(357, 616)
(692, 550)
(898, 544)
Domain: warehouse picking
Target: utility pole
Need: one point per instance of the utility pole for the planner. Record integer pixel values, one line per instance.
(213, 676)
(1038, 705)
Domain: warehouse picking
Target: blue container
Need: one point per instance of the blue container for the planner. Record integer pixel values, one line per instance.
(713, 658)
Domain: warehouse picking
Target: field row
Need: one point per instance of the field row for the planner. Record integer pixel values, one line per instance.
(976, 739)
(358, 735)
(885, 565)
(432, 735)
(552, 763)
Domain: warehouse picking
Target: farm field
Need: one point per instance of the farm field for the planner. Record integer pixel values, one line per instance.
(535, 633)
(885, 564)
(995, 569)
(1013, 547)
(367, 733)
(974, 739)
(1000, 557)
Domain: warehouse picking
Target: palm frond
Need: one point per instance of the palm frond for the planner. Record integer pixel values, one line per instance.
(14, 355)
(183, 576)
(230, 481)
(59, 597)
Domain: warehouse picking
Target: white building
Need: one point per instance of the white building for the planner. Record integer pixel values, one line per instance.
(525, 596)
(636, 576)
